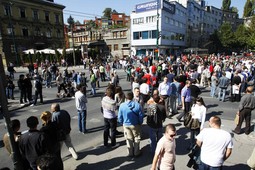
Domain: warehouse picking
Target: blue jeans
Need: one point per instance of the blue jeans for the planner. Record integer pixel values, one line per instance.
(155, 135)
(9, 93)
(93, 88)
(82, 115)
(213, 89)
(223, 92)
(204, 166)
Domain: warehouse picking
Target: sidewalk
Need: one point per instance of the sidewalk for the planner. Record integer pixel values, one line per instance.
(97, 157)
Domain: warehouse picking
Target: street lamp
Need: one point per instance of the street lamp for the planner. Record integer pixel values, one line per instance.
(157, 32)
(12, 32)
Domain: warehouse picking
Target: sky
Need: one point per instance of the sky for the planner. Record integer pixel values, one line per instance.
(89, 9)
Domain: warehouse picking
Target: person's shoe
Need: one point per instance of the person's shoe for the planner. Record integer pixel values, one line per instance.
(22, 104)
(179, 120)
(235, 132)
(32, 105)
(115, 146)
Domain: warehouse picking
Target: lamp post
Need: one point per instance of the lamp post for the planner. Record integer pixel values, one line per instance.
(157, 32)
(70, 21)
(12, 33)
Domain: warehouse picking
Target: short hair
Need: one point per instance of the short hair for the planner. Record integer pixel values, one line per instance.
(216, 120)
(170, 127)
(49, 162)
(15, 124)
(32, 122)
(109, 92)
(45, 116)
(130, 96)
(249, 89)
(187, 82)
(56, 107)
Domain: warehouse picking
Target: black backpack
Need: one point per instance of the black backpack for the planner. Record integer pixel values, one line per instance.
(154, 118)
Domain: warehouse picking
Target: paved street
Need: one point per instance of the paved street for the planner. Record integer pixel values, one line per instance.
(92, 156)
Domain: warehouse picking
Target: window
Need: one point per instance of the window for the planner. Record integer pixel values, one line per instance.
(120, 16)
(10, 31)
(57, 18)
(35, 15)
(150, 19)
(138, 21)
(37, 31)
(136, 35)
(48, 33)
(58, 33)
(154, 34)
(110, 48)
(25, 32)
(145, 35)
(7, 10)
(22, 13)
(47, 16)
(116, 47)
(166, 20)
(125, 45)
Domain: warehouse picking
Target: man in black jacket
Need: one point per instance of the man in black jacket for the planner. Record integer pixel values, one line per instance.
(32, 144)
(22, 88)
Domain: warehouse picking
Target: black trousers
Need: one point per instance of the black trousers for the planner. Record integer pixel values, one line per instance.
(23, 95)
(110, 124)
(245, 114)
(187, 108)
(36, 96)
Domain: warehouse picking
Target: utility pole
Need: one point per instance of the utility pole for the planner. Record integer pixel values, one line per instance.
(4, 109)
(74, 59)
(157, 32)
(12, 33)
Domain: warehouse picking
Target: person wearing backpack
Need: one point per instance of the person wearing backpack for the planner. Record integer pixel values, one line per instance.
(155, 118)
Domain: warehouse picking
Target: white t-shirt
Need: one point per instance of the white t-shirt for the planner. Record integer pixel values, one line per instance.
(144, 88)
(199, 112)
(214, 145)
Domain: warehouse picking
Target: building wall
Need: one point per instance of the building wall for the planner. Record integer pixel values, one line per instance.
(30, 31)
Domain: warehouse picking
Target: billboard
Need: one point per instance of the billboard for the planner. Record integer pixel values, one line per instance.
(153, 5)
(169, 7)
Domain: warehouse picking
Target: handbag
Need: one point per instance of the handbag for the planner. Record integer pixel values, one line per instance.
(237, 119)
(191, 123)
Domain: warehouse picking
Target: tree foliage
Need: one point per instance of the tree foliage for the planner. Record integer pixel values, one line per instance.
(226, 35)
(226, 4)
(241, 36)
(248, 11)
(107, 13)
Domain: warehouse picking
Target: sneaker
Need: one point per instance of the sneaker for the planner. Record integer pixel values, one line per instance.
(22, 104)
(115, 146)
(32, 105)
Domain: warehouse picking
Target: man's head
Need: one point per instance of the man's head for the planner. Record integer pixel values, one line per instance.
(130, 96)
(48, 162)
(15, 125)
(32, 122)
(170, 131)
(249, 89)
(215, 122)
(55, 107)
(156, 98)
(165, 79)
(188, 83)
(136, 92)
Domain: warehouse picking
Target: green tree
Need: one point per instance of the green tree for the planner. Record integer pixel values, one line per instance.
(234, 9)
(226, 4)
(70, 21)
(107, 13)
(251, 33)
(248, 11)
(241, 36)
(226, 35)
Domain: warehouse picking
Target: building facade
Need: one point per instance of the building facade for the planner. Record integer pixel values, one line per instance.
(158, 27)
(29, 24)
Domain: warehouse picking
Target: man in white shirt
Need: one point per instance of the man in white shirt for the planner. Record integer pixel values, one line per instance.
(80, 102)
(216, 145)
(164, 89)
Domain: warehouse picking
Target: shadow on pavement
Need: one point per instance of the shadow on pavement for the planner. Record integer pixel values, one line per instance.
(236, 167)
(211, 105)
(95, 129)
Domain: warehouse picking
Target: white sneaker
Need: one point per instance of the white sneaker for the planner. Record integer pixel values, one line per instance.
(73, 152)
(32, 105)
(22, 104)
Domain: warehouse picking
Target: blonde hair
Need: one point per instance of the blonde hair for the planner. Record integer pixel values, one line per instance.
(45, 117)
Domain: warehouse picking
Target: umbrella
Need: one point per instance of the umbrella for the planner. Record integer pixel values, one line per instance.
(47, 51)
(31, 51)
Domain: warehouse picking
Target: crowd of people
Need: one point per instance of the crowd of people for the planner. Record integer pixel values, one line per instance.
(158, 90)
